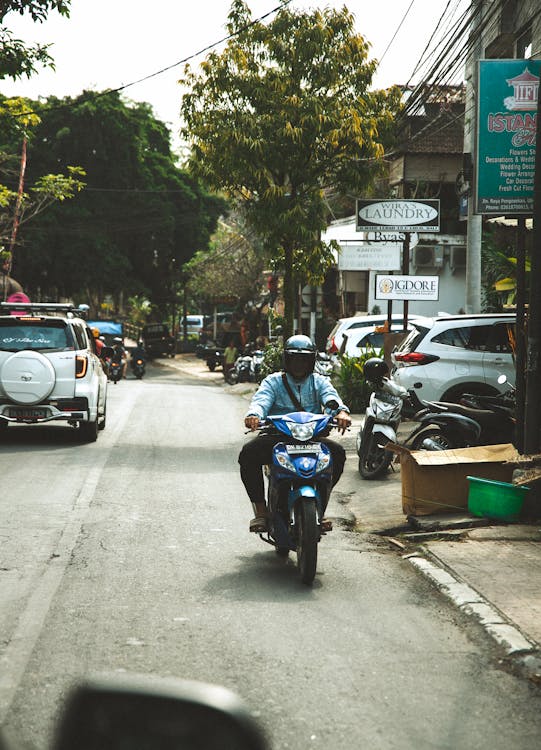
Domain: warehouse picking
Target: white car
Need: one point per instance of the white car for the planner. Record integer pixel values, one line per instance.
(356, 324)
(358, 341)
(445, 357)
(49, 369)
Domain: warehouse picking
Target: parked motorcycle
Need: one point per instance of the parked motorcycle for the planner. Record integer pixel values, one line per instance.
(258, 356)
(240, 372)
(324, 364)
(115, 372)
(299, 485)
(436, 428)
(138, 367)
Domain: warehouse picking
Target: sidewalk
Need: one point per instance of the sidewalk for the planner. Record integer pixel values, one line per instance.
(490, 572)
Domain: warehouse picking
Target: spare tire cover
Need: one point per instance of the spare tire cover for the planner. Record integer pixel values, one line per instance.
(27, 377)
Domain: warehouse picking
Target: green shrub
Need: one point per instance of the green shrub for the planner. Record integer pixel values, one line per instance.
(273, 358)
(350, 382)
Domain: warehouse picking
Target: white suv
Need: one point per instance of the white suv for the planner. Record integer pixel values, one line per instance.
(356, 324)
(49, 369)
(445, 357)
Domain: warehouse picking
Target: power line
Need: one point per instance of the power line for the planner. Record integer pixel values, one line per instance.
(92, 96)
(396, 32)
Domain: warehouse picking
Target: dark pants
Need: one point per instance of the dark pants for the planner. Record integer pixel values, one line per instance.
(258, 452)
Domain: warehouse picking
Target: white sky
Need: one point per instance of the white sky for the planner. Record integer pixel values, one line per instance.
(108, 43)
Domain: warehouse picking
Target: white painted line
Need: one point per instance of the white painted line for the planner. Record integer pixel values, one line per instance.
(17, 653)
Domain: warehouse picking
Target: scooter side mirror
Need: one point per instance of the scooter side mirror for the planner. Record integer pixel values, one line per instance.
(502, 379)
(140, 711)
(107, 352)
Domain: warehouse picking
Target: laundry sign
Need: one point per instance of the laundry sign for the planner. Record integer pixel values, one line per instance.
(399, 215)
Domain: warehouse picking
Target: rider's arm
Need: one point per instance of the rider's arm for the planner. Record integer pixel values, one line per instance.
(329, 397)
(260, 405)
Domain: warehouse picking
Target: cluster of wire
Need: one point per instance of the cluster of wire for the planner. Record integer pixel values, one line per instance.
(457, 36)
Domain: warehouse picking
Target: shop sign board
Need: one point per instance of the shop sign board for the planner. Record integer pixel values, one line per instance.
(398, 215)
(418, 288)
(506, 135)
(366, 257)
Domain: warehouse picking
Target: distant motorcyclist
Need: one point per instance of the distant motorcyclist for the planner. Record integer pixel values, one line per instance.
(138, 353)
(298, 388)
(120, 355)
(97, 340)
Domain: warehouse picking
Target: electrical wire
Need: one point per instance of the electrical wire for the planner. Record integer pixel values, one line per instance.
(92, 96)
(396, 32)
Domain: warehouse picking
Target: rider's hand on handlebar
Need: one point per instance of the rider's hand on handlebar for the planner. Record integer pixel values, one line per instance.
(251, 422)
(343, 421)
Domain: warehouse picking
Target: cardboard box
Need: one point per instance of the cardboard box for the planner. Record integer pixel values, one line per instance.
(435, 481)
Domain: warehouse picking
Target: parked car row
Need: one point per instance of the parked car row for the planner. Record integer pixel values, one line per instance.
(442, 357)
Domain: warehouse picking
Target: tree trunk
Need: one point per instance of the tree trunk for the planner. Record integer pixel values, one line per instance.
(289, 291)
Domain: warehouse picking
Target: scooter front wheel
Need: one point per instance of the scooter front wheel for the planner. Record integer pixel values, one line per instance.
(373, 459)
(307, 539)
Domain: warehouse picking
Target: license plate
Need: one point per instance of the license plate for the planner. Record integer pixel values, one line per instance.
(27, 413)
(308, 448)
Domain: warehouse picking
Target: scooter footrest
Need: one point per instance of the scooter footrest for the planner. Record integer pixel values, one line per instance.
(326, 525)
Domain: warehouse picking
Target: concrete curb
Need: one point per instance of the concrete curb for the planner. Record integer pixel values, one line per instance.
(469, 601)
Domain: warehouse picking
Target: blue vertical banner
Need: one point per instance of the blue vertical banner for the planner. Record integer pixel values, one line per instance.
(506, 136)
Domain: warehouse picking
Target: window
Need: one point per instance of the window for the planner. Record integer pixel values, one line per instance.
(458, 337)
(15, 337)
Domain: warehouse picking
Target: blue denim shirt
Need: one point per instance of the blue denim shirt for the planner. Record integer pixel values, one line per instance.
(314, 393)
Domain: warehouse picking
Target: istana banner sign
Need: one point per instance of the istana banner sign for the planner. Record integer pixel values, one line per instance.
(419, 288)
(398, 215)
(506, 134)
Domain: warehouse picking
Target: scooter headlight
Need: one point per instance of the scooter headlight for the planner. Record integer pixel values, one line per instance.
(323, 461)
(302, 431)
(284, 461)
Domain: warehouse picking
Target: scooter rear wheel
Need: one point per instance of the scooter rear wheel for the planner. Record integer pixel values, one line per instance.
(437, 437)
(307, 539)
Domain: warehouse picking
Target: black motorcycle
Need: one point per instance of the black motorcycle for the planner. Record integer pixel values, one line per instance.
(138, 367)
(115, 372)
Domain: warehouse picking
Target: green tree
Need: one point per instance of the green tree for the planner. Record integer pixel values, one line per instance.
(139, 218)
(16, 58)
(18, 206)
(280, 115)
(231, 267)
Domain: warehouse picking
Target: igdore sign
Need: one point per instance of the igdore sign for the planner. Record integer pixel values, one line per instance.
(398, 215)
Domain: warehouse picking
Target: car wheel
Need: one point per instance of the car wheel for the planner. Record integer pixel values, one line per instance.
(102, 422)
(454, 395)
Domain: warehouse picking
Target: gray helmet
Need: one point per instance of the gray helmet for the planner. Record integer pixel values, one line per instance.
(299, 356)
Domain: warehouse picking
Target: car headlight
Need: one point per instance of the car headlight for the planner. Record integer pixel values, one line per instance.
(302, 431)
(284, 461)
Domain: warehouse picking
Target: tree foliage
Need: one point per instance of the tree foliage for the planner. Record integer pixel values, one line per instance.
(280, 115)
(18, 59)
(232, 267)
(139, 218)
(16, 207)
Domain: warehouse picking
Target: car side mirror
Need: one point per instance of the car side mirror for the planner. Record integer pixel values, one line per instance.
(141, 711)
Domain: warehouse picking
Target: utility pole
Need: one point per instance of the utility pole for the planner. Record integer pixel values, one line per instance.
(532, 417)
(475, 221)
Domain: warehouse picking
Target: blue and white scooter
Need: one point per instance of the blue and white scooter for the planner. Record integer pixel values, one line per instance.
(299, 485)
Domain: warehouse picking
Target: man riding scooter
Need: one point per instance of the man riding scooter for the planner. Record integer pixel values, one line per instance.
(298, 388)
(138, 360)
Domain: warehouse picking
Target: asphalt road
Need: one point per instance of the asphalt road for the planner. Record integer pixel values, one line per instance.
(132, 555)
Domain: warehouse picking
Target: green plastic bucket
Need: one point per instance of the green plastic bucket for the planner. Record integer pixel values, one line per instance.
(498, 500)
